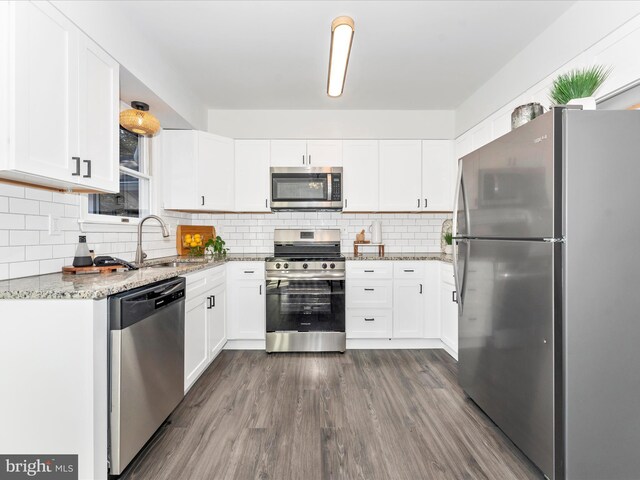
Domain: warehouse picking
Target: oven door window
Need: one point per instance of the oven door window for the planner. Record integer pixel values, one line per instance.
(305, 306)
(299, 187)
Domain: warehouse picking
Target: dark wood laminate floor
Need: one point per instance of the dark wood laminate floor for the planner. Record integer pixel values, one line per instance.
(367, 414)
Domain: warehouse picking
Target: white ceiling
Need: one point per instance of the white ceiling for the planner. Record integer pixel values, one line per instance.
(274, 54)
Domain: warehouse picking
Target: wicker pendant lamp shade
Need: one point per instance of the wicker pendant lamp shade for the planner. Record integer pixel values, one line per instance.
(139, 120)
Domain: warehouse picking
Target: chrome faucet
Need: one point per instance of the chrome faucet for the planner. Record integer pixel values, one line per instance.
(140, 255)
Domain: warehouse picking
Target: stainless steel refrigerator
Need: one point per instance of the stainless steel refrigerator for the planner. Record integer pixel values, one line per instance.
(547, 264)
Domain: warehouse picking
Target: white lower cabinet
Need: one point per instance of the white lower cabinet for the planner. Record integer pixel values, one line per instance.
(400, 300)
(205, 322)
(448, 308)
(246, 319)
(408, 300)
(368, 323)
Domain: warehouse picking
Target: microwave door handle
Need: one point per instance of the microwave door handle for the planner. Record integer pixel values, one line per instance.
(329, 186)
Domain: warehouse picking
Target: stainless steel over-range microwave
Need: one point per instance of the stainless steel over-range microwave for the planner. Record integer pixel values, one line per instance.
(306, 188)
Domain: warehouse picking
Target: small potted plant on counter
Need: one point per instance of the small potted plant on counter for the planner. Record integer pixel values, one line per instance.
(448, 240)
(216, 246)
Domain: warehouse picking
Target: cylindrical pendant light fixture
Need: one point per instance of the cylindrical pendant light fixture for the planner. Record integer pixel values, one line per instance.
(342, 31)
(139, 120)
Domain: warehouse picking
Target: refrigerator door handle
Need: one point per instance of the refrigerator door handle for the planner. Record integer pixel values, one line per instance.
(455, 202)
(460, 283)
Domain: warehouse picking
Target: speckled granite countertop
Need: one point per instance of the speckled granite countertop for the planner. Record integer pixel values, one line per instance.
(96, 286)
(402, 256)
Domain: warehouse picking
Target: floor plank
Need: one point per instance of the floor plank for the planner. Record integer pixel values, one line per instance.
(365, 414)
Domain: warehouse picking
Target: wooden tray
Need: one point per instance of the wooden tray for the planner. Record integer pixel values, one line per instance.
(205, 231)
(93, 269)
(357, 252)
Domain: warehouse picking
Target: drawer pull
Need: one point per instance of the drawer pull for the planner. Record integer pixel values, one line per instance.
(369, 319)
(409, 271)
(369, 271)
(369, 289)
(249, 271)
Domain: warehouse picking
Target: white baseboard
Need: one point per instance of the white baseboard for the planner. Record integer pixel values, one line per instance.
(245, 345)
(392, 343)
(450, 351)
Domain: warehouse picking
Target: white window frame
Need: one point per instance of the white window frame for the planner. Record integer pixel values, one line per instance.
(146, 160)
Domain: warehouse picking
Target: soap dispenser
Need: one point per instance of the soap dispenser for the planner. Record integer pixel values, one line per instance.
(83, 257)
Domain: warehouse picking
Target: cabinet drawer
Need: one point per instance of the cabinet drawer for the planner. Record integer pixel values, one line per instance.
(369, 294)
(246, 270)
(408, 269)
(368, 323)
(369, 269)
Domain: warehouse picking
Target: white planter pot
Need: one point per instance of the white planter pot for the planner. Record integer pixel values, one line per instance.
(448, 249)
(588, 103)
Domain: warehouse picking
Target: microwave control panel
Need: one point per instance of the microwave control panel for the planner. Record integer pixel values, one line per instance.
(336, 187)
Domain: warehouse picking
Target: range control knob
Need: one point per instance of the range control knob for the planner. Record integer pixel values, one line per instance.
(333, 265)
(305, 265)
(277, 265)
(286, 266)
(324, 265)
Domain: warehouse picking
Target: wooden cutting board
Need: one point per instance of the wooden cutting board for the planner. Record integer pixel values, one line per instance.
(205, 231)
(93, 269)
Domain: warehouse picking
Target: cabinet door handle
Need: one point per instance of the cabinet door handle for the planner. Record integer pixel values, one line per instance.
(425, 203)
(309, 159)
(303, 159)
(88, 162)
(369, 289)
(418, 203)
(266, 201)
(346, 203)
(203, 200)
(369, 319)
(409, 271)
(420, 289)
(454, 296)
(77, 172)
(260, 290)
(208, 303)
(369, 271)
(213, 301)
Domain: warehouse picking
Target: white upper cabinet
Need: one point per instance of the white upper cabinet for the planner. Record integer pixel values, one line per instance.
(324, 153)
(198, 171)
(306, 153)
(64, 91)
(400, 175)
(361, 175)
(288, 153)
(438, 175)
(252, 175)
(216, 172)
(99, 117)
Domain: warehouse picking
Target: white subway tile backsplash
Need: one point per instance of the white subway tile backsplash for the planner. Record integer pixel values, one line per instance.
(11, 221)
(52, 265)
(21, 205)
(24, 237)
(38, 252)
(7, 190)
(4, 271)
(11, 254)
(4, 204)
(50, 208)
(24, 269)
(36, 194)
(4, 238)
(36, 222)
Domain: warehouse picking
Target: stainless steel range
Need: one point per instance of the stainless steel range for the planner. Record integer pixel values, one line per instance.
(306, 292)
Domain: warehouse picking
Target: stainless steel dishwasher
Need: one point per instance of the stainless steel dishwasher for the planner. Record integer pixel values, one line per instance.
(146, 361)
